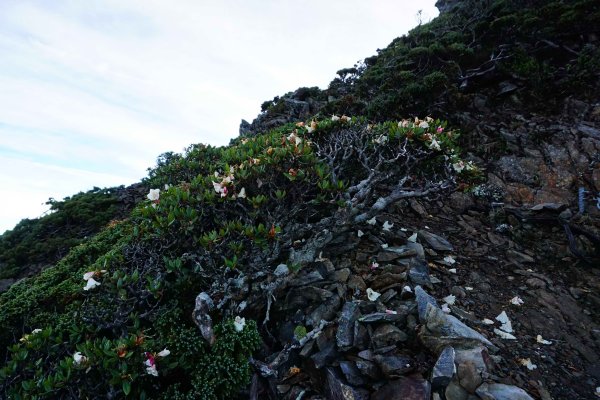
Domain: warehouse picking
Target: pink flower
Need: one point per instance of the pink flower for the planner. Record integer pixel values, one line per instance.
(150, 364)
(374, 266)
(440, 129)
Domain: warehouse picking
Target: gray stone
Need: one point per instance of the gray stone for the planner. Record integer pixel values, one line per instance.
(441, 330)
(368, 368)
(204, 305)
(394, 366)
(352, 373)
(383, 316)
(281, 270)
(423, 298)
(367, 355)
(336, 390)
(357, 283)
(456, 392)
(404, 389)
(408, 250)
(500, 391)
(309, 251)
(311, 277)
(419, 273)
(361, 336)
(436, 242)
(443, 370)
(345, 332)
(341, 275)
(325, 356)
(325, 311)
(469, 376)
(387, 334)
(477, 355)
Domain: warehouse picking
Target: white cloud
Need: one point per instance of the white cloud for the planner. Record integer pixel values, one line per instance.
(84, 83)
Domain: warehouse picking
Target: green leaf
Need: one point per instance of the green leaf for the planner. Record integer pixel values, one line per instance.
(126, 387)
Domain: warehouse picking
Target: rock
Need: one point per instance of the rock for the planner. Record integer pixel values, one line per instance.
(341, 275)
(518, 257)
(325, 311)
(436, 242)
(204, 305)
(477, 355)
(404, 389)
(281, 270)
(423, 298)
(387, 334)
(419, 273)
(500, 391)
(456, 392)
(336, 390)
(357, 283)
(443, 370)
(410, 249)
(352, 373)
(325, 356)
(313, 276)
(368, 368)
(469, 376)
(506, 87)
(394, 366)
(301, 297)
(383, 316)
(441, 330)
(361, 336)
(309, 251)
(345, 332)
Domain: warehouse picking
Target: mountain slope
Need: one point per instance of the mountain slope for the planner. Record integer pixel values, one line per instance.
(354, 257)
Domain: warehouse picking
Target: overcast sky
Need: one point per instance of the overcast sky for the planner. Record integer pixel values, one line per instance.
(91, 92)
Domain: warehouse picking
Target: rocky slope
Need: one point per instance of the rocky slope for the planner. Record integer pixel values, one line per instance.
(338, 257)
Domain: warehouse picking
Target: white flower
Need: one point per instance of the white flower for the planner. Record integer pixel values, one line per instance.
(449, 259)
(372, 221)
(469, 288)
(164, 353)
(445, 308)
(239, 323)
(294, 138)
(217, 187)
(541, 340)
(424, 125)
(360, 233)
(459, 166)
(89, 275)
(452, 270)
(153, 195)
(33, 332)
(517, 301)
(407, 289)
(470, 166)
(435, 145)
(450, 299)
(504, 335)
(505, 321)
(91, 283)
(151, 370)
(385, 246)
(381, 139)
(372, 295)
(487, 321)
(79, 358)
(335, 118)
(309, 129)
(167, 186)
(387, 226)
(403, 124)
(242, 193)
(428, 119)
(526, 362)
(391, 312)
(413, 237)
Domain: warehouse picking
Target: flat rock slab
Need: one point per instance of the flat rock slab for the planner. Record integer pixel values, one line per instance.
(436, 242)
(423, 298)
(499, 391)
(441, 330)
(337, 390)
(345, 332)
(404, 389)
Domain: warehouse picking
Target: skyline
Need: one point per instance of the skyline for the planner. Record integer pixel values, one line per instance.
(93, 94)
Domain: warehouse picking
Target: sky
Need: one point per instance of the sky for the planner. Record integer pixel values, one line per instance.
(91, 92)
